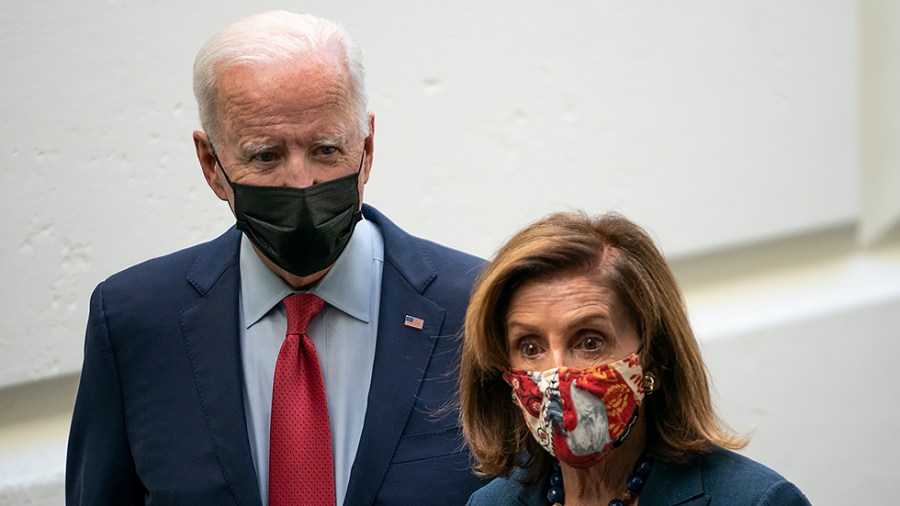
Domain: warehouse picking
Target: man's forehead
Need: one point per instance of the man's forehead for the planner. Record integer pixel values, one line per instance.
(315, 95)
(258, 77)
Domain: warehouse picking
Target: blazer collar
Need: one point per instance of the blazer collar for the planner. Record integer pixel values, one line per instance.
(668, 484)
(531, 496)
(214, 259)
(675, 484)
(402, 251)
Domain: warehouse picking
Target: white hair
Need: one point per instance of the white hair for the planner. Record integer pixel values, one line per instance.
(274, 37)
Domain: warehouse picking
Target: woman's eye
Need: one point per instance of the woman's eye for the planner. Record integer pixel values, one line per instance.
(592, 343)
(529, 349)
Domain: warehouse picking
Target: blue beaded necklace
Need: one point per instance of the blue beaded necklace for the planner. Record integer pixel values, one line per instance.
(633, 485)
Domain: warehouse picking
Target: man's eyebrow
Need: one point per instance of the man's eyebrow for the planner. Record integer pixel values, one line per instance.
(338, 139)
(251, 148)
(255, 148)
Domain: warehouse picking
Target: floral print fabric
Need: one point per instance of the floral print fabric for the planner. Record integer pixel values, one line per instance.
(580, 415)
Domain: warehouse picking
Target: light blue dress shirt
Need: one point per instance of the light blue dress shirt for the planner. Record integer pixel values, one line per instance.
(344, 335)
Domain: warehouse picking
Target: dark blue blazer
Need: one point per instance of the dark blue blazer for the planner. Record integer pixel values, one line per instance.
(159, 417)
(718, 478)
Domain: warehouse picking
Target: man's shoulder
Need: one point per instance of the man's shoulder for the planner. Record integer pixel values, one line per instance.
(403, 248)
(161, 273)
(447, 256)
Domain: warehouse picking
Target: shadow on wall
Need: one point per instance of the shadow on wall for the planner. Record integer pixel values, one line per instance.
(32, 401)
(761, 257)
(34, 427)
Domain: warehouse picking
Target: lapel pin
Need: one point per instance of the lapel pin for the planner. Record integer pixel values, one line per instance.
(412, 321)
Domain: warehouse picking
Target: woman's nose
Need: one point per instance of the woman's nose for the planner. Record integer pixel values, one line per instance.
(558, 358)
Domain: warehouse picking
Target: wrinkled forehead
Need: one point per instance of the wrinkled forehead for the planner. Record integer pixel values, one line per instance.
(273, 94)
(257, 71)
(598, 276)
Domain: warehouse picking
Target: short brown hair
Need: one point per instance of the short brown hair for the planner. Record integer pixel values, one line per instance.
(680, 418)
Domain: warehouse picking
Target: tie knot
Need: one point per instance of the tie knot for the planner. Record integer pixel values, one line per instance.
(300, 309)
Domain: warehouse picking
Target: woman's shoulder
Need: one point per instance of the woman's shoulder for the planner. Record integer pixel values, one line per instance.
(726, 464)
(507, 491)
(727, 478)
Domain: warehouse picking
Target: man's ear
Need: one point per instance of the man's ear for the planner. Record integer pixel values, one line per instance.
(209, 165)
(369, 146)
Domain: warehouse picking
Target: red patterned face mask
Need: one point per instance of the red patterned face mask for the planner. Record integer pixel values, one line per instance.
(580, 415)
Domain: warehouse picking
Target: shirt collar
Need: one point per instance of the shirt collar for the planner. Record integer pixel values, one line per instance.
(347, 286)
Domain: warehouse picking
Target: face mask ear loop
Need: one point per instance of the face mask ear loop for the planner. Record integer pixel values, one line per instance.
(361, 160)
(219, 162)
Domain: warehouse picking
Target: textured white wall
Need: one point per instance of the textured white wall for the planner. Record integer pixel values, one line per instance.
(880, 54)
(713, 123)
(730, 129)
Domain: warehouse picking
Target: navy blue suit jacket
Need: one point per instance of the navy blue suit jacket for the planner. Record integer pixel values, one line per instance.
(720, 477)
(159, 417)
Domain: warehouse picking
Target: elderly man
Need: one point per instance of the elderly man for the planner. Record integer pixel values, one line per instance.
(302, 357)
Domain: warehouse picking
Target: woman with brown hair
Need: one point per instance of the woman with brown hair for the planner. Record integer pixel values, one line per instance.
(581, 380)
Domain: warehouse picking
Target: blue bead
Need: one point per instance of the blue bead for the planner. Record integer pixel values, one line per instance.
(556, 480)
(643, 468)
(555, 495)
(616, 502)
(635, 483)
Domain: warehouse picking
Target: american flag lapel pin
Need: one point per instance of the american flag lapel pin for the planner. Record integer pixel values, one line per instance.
(412, 321)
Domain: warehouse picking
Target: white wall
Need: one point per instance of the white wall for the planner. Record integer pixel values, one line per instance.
(753, 138)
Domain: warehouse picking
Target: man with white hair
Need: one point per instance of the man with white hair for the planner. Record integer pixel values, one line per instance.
(307, 355)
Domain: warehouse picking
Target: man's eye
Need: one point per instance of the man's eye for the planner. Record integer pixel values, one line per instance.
(327, 150)
(266, 156)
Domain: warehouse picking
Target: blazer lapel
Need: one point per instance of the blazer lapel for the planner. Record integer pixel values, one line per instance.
(533, 496)
(402, 354)
(401, 358)
(211, 334)
(675, 484)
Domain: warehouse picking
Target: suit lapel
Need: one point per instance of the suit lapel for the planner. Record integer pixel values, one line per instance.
(402, 354)
(211, 334)
(532, 496)
(675, 484)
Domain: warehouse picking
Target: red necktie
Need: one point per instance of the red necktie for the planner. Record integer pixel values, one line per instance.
(301, 469)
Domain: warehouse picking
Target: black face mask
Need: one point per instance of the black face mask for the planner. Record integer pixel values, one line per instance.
(301, 230)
